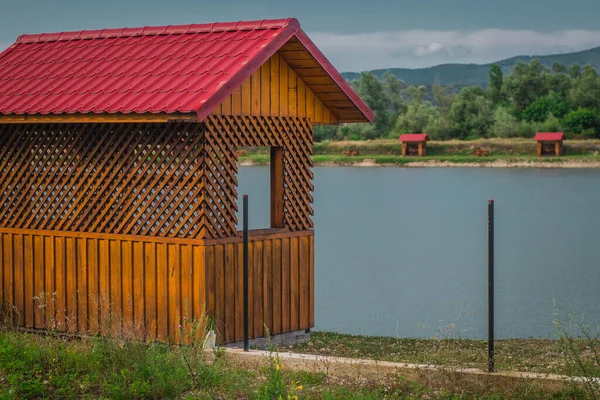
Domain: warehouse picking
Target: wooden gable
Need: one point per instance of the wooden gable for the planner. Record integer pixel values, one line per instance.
(275, 89)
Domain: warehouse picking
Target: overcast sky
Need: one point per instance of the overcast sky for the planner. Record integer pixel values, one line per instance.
(354, 34)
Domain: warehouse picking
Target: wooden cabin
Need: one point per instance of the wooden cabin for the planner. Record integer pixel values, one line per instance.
(414, 144)
(549, 143)
(118, 168)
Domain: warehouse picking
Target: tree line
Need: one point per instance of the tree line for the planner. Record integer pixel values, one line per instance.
(532, 99)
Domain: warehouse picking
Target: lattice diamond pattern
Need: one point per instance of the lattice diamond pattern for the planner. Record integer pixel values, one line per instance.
(166, 180)
(139, 179)
(226, 133)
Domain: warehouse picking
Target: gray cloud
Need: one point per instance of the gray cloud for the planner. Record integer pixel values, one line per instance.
(420, 48)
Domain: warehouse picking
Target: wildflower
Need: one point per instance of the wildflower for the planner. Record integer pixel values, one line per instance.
(299, 387)
(277, 367)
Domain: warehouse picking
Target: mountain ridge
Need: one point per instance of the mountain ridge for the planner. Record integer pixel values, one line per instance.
(469, 74)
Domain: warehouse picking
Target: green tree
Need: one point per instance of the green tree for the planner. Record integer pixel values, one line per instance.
(325, 132)
(472, 114)
(393, 89)
(574, 71)
(496, 83)
(586, 89)
(417, 117)
(525, 84)
(444, 97)
(558, 82)
(371, 91)
(415, 93)
(542, 107)
(559, 68)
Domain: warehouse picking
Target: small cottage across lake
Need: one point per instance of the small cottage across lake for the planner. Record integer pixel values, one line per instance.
(118, 177)
(549, 143)
(414, 144)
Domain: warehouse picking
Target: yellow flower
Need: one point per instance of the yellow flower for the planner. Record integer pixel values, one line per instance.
(299, 387)
(277, 367)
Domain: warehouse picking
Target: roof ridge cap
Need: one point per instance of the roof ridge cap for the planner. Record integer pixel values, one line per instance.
(160, 30)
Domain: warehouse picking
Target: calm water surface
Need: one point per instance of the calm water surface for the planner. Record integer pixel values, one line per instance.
(403, 252)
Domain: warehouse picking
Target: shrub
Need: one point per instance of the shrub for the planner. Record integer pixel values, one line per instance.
(527, 129)
(505, 124)
(551, 124)
(582, 120)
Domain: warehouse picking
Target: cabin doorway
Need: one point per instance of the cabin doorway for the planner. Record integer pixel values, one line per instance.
(264, 185)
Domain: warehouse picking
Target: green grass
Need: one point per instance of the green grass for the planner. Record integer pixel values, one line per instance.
(535, 355)
(48, 366)
(33, 366)
(514, 147)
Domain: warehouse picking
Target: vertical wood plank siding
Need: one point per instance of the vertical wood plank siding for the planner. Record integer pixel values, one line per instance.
(153, 288)
(280, 293)
(276, 90)
(80, 283)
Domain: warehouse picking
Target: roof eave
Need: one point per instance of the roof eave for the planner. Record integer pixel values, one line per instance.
(336, 76)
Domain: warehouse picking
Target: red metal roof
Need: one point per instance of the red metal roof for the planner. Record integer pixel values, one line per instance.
(413, 137)
(549, 136)
(185, 68)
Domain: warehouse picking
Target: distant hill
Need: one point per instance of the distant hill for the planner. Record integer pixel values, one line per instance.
(477, 74)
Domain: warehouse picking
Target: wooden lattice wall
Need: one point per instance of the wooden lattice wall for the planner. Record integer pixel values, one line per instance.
(107, 178)
(224, 134)
(158, 179)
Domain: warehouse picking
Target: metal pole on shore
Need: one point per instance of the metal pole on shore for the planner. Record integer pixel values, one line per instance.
(245, 223)
(490, 285)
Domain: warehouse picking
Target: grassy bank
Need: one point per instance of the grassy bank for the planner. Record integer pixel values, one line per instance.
(496, 147)
(389, 153)
(36, 366)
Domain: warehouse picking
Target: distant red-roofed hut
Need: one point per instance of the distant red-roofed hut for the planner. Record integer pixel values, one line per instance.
(414, 144)
(118, 165)
(549, 143)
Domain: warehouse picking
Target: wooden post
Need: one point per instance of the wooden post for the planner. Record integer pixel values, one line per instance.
(557, 148)
(404, 145)
(245, 283)
(420, 149)
(490, 285)
(277, 187)
(539, 148)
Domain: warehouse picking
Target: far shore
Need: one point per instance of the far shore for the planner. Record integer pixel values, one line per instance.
(437, 163)
(502, 153)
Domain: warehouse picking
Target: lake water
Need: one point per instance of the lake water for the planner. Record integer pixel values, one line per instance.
(403, 252)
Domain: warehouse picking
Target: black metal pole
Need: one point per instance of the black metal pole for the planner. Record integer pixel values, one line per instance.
(491, 286)
(246, 344)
